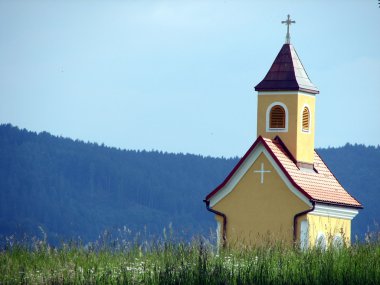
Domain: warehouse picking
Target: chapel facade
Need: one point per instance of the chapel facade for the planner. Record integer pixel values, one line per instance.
(281, 189)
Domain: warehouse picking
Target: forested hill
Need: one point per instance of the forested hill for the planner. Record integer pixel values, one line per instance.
(71, 188)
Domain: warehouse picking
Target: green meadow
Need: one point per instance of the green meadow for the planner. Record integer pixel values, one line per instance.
(166, 261)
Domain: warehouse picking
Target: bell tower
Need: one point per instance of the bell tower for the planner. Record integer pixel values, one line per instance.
(286, 104)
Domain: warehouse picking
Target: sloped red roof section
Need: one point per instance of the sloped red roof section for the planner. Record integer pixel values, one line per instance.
(318, 186)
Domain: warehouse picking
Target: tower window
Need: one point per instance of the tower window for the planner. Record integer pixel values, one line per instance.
(277, 117)
(306, 119)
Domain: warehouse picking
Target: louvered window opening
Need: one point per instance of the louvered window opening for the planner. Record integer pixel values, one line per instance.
(305, 119)
(277, 117)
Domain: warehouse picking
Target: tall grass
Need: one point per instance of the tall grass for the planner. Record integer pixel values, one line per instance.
(197, 262)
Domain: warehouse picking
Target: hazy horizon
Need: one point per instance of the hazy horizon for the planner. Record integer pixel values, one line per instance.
(169, 152)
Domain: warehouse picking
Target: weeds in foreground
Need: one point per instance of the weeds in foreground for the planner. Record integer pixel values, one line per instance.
(197, 262)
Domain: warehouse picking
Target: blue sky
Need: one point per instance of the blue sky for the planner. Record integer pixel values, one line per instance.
(179, 76)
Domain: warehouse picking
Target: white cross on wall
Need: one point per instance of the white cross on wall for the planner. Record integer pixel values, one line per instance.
(262, 171)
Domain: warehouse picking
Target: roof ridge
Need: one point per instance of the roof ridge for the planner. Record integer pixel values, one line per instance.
(287, 151)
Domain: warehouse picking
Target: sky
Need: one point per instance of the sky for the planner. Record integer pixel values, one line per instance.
(179, 76)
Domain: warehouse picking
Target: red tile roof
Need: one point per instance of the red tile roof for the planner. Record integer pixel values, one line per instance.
(320, 186)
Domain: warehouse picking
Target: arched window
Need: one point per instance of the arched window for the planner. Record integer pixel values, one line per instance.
(277, 117)
(305, 119)
(321, 242)
(304, 241)
(337, 241)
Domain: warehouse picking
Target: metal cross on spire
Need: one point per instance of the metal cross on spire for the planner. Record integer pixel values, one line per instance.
(288, 22)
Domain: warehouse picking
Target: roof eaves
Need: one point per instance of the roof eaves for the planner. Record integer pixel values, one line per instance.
(309, 90)
(339, 204)
(258, 140)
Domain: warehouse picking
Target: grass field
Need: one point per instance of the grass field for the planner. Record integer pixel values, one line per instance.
(197, 262)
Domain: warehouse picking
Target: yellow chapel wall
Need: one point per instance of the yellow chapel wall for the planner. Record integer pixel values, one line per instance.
(329, 227)
(299, 143)
(257, 212)
(305, 140)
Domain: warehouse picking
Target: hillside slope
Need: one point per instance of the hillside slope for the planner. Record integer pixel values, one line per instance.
(72, 188)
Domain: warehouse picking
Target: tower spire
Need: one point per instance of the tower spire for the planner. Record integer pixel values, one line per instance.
(288, 22)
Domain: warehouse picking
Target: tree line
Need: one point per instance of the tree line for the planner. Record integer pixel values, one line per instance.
(76, 189)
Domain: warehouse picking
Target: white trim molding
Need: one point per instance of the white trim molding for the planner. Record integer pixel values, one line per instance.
(218, 234)
(267, 118)
(301, 117)
(276, 93)
(304, 235)
(334, 211)
(234, 180)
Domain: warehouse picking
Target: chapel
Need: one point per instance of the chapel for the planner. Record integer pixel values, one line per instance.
(281, 188)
